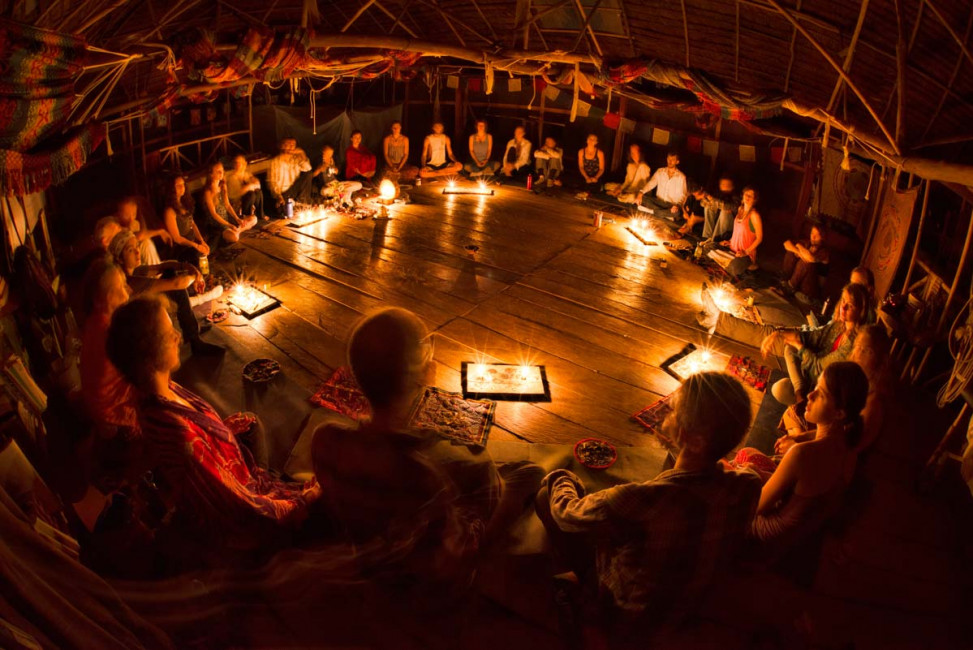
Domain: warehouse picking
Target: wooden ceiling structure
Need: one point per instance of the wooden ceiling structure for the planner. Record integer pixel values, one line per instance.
(894, 75)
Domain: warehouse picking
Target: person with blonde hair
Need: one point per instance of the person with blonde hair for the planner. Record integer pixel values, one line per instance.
(650, 550)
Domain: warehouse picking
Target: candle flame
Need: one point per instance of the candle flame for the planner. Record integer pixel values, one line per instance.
(387, 190)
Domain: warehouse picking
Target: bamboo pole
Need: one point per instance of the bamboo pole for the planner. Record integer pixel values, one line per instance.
(959, 269)
(357, 15)
(915, 245)
(901, 56)
(949, 28)
(952, 80)
(841, 72)
(398, 19)
(685, 33)
(541, 14)
(850, 55)
(584, 26)
(489, 25)
(736, 43)
(591, 32)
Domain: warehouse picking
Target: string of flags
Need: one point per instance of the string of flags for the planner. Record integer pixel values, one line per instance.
(658, 136)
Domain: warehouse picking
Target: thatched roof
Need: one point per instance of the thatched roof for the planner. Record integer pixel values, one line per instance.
(842, 62)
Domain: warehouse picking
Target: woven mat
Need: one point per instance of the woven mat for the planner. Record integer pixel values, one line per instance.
(452, 416)
(749, 372)
(341, 394)
(652, 417)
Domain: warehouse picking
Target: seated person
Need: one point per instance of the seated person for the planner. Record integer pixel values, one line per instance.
(177, 215)
(652, 549)
(591, 164)
(670, 188)
(223, 504)
(181, 276)
(108, 398)
(863, 275)
(693, 211)
(809, 352)
(481, 148)
(636, 176)
(806, 263)
(359, 161)
(127, 215)
(516, 157)
(872, 351)
(549, 162)
(437, 154)
(219, 212)
(720, 208)
(369, 471)
(748, 233)
(244, 191)
(395, 150)
(289, 175)
(326, 179)
(808, 485)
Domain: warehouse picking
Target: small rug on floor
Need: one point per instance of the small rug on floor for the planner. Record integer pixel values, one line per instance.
(652, 417)
(452, 416)
(749, 371)
(341, 394)
(763, 434)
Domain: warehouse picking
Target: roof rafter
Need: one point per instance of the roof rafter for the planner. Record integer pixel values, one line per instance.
(591, 32)
(952, 79)
(850, 54)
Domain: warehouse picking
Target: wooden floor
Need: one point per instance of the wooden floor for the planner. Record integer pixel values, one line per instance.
(544, 286)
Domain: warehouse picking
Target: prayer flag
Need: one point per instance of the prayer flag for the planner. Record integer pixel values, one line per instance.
(612, 120)
(584, 108)
(794, 154)
(513, 85)
(452, 81)
(552, 93)
(694, 144)
(660, 136)
(776, 154)
(711, 148)
(475, 84)
(748, 153)
(539, 84)
(626, 126)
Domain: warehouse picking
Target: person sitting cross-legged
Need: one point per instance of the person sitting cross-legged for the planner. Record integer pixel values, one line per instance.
(127, 215)
(645, 553)
(693, 211)
(224, 507)
(218, 210)
(244, 191)
(591, 164)
(748, 234)
(670, 188)
(636, 176)
(289, 176)
(437, 154)
(481, 149)
(395, 150)
(385, 480)
(326, 180)
(719, 210)
(359, 161)
(550, 163)
(516, 157)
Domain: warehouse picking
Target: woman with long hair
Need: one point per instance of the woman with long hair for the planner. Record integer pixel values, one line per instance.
(177, 215)
(219, 212)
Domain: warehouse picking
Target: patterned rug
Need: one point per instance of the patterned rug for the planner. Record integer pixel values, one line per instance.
(652, 417)
(450, 415)
(341, 394)
(749, 372)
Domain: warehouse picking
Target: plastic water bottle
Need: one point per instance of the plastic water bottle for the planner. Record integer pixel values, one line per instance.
(204, 265)
(530, 181)
(289, 209)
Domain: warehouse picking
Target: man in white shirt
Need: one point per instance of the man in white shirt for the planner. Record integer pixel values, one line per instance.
(516, 157)
(289, 176)
(243, 188)
(670, 189)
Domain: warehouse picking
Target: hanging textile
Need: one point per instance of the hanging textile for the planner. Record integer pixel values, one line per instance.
(262, 53)
(37, 73)
(22, 174)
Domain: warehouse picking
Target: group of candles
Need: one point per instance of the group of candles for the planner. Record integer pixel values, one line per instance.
(481, 373)
(248, 298)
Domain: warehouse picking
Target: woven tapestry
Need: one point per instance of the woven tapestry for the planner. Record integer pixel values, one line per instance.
(891, 233)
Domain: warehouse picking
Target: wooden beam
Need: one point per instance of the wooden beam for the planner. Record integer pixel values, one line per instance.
(790, 60)
(952, 32)
(451, 19)
(357, 15)
(736, 43)
(398, 19)
(841, 72)
(541, 14)
(527, 27)
(901, 57)
(591, 32)
(952, 79)
(850, 54)
(101, 14)
(627, 27)
(915, 245)
(685, 29)
(489, 25)
(944, 141)
(954, 285)
(584, 26)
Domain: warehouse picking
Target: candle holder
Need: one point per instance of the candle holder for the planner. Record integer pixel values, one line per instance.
(689, 361)
(505, 382)
(251, 301)
(481, 189)
(642, 231)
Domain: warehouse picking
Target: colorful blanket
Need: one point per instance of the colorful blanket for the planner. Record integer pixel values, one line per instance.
(37, 73)
(652, 417)
(342, 395)
(22, 173)
(450, 415)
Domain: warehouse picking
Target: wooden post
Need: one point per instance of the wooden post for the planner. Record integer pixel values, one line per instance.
(804, 198)
(459, 110)
(618, 152)
(540, 121)
(915, 246)
(959, 269)
(876, 212)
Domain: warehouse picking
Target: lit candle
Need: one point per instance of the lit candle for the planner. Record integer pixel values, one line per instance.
(524, 373)
(451, 186)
